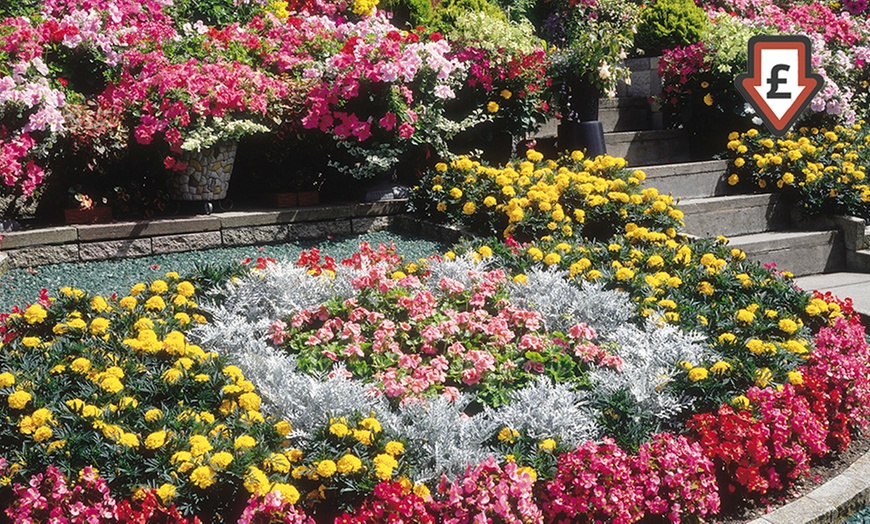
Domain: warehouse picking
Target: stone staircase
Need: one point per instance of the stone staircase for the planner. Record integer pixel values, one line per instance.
(760, 224)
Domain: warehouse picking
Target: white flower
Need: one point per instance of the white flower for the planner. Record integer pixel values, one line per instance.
(604, 71)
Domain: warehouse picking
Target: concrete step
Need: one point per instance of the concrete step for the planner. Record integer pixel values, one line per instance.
(734, 215)
(616, 114)
(652, 147)
(859, 261)
(688, 179)
(800, 252)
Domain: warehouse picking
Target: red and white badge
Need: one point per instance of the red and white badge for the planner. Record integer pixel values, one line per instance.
(779, 83)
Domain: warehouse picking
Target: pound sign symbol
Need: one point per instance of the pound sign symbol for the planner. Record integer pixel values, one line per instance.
(775, 80)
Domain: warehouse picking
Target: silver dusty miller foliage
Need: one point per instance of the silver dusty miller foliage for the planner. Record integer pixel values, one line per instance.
(564, 304)
(441, 437)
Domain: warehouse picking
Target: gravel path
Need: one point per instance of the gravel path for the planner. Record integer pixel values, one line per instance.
(21, 286)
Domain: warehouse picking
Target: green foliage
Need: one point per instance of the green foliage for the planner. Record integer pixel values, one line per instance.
(669, 23)
(408, 12)
(448, 11)
(214, 12)
(18, 7)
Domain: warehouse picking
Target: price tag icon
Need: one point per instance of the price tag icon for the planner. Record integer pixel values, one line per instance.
(779, 83)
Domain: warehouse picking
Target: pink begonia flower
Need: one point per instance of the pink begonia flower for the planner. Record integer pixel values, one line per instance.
(471, 376)
(533, 367)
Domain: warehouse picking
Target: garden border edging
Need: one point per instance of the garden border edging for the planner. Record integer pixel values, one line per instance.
(133, 239)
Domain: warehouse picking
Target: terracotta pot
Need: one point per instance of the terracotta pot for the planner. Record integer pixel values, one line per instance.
(95, 215)
(309, 198)
(281, 200)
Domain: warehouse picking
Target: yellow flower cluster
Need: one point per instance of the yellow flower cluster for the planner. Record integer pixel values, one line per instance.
(538, 197)
(118, 360)
(364, 7)
(833, 161)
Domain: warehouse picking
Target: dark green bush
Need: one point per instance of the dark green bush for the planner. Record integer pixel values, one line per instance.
(214, 12)
(670, 23)
(448, 11)
(410, 13)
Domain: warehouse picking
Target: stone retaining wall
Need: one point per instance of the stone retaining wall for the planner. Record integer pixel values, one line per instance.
(84, 243)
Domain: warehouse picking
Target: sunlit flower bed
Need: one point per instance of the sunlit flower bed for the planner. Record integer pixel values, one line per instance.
(643, 376)
(824, 170)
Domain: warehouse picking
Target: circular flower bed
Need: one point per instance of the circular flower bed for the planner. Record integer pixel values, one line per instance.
(640, 376)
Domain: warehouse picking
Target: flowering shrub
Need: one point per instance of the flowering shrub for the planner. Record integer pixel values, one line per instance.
(701, 88)
(562, 200)
(823, 170)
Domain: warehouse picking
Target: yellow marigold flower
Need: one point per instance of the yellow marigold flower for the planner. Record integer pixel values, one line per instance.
(456, 192)
(283, 428)
(508, 435)
(421, 490)
(153, 415)
(202, 476)
(593, 275)
(244, 442)
(35, 314)
(172, 376)
(720, 367)
(795, 378)
(256, 480)
(19, 399)
(536, 253)
(7, 379)
(185, 289)
(221, 459)
(111, 384)
(199, 319)
(552, 259)
(763, 377)
(505, 94)
(326, 468)
(485, 251)
(624, 274)
(441, 167)
(159, 286)
(277, 462)
(547, 445)
(128, 302)
(348, 464)
(469, 208)
(740, 402)
(492, 107)
(42, 434)
(788, 325)
(733, 180)
(155, 303)
(384, 466)
(745, 316)
(166, 492)
(288, 492)
(130, 440)
(339, 429)
(521, 279)
(30, 342)
(534, 156)
(394, 448)
(155, 440)
(199, 445)
(363, 436)
(249, 401)
(698, 374)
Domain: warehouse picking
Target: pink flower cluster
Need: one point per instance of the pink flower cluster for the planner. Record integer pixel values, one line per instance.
(416, 340)
(17, 167)
(272, 509)
(490, 493)
(391, 502)
(49, 498)
(599, 482)
(376, 57)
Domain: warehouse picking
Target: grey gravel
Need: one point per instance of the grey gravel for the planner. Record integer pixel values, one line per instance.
(22, 286)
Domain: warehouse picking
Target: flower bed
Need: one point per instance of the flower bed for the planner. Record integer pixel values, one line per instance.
(643, 376)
